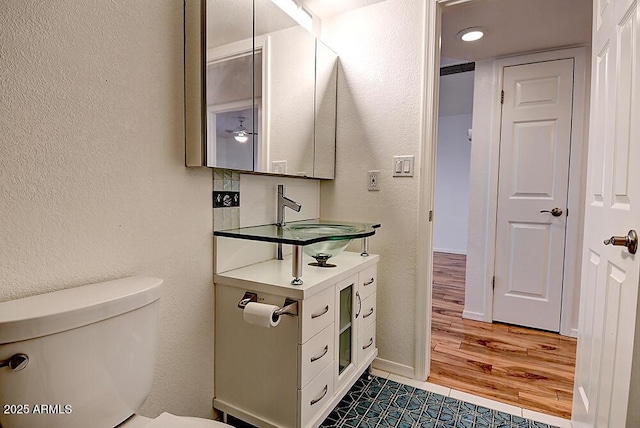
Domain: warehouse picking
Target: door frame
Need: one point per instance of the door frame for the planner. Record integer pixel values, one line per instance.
(427, 157)
(241, 48)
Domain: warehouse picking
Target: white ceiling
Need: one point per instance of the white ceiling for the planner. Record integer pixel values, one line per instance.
(511, 27)
(230, 20)
(515, 26)
(328, 8)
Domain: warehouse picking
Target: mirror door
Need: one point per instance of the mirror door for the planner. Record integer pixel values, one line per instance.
(267, 99)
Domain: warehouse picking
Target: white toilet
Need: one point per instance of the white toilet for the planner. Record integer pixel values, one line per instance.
(83, 358)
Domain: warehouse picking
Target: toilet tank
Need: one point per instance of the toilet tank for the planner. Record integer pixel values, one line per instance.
(91, 354)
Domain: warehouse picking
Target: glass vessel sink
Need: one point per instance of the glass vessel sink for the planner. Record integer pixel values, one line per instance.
(338, 238)
(320, 239)
(303, 232)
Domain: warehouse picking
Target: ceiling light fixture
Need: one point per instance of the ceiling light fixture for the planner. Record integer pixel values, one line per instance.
(471, 34)
(240, 134)
(241, 137)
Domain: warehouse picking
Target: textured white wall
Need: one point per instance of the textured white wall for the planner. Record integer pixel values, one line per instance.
(451, 209)
(379, 116)
(92, 178)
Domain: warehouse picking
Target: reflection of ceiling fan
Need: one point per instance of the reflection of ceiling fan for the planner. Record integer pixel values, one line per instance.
(240, 134)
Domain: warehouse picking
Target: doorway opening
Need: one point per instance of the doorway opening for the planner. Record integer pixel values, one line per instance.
(516, 365)
(524, 367)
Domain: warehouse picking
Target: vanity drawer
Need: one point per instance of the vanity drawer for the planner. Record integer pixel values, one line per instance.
(315, 396)
(317, 313)
(315, 354)
(368, 312)
(367, 281)
(366, 343)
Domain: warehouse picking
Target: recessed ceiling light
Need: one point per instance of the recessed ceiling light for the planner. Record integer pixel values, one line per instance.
(471, 34)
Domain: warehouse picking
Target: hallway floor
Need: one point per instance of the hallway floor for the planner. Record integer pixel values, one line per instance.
(520, 366)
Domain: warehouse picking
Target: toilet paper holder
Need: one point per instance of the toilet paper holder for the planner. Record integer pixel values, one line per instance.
(290, 306)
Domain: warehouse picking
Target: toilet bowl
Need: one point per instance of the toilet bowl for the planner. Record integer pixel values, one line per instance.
(83, 357)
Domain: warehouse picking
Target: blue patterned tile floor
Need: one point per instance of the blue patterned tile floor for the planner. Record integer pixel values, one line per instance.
(377, 402)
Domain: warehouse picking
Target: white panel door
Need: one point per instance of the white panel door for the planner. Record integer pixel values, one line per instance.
(609, 296)
(532, 193)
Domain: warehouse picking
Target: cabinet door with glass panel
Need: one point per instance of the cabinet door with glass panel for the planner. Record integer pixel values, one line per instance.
(347, 305)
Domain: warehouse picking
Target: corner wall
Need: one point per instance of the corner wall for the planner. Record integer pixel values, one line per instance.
(477, 281)
(451, 207)
(92, 179)
(380, 49)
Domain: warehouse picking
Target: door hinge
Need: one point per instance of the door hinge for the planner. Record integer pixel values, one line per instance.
(502, 97)
(493, 283)
(431, 215)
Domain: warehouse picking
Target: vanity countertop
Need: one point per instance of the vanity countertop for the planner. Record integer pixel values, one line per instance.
(274, 276)
(289, 234)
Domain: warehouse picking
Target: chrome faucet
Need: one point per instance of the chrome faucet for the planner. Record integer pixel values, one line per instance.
(284, 202)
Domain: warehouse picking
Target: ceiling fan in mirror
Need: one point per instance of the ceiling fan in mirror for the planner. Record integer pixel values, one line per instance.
(241, 134)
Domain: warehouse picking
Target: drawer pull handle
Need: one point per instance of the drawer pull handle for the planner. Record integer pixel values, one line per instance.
(326, 349)
(371, 281)
(368, 344)
(368, 314)
(321, 313)
(324, 392)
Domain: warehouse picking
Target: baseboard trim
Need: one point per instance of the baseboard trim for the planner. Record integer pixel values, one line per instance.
(476, 316)
(394, 368)
(573, 333)
(446, 250)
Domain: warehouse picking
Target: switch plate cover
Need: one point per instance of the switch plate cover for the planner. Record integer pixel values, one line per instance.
(406, 164)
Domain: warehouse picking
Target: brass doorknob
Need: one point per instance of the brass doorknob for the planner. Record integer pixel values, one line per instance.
(556, 212)
(630, 241)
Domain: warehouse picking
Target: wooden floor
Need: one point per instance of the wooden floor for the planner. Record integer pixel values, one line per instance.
(525, 367)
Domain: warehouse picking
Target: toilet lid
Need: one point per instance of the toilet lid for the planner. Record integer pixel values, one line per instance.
(167, 420)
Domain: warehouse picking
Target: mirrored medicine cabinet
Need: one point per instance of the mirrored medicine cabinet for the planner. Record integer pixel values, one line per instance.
(260, 91)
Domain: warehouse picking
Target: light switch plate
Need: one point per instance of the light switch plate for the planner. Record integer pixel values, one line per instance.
(403, 166)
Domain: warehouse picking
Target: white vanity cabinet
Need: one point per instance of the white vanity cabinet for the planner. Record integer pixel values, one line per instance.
(294, 374)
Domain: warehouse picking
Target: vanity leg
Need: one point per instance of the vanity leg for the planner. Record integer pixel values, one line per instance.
(365, 247)
(296, 265)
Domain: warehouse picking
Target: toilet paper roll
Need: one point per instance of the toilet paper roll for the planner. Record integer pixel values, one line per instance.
(261, 314)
